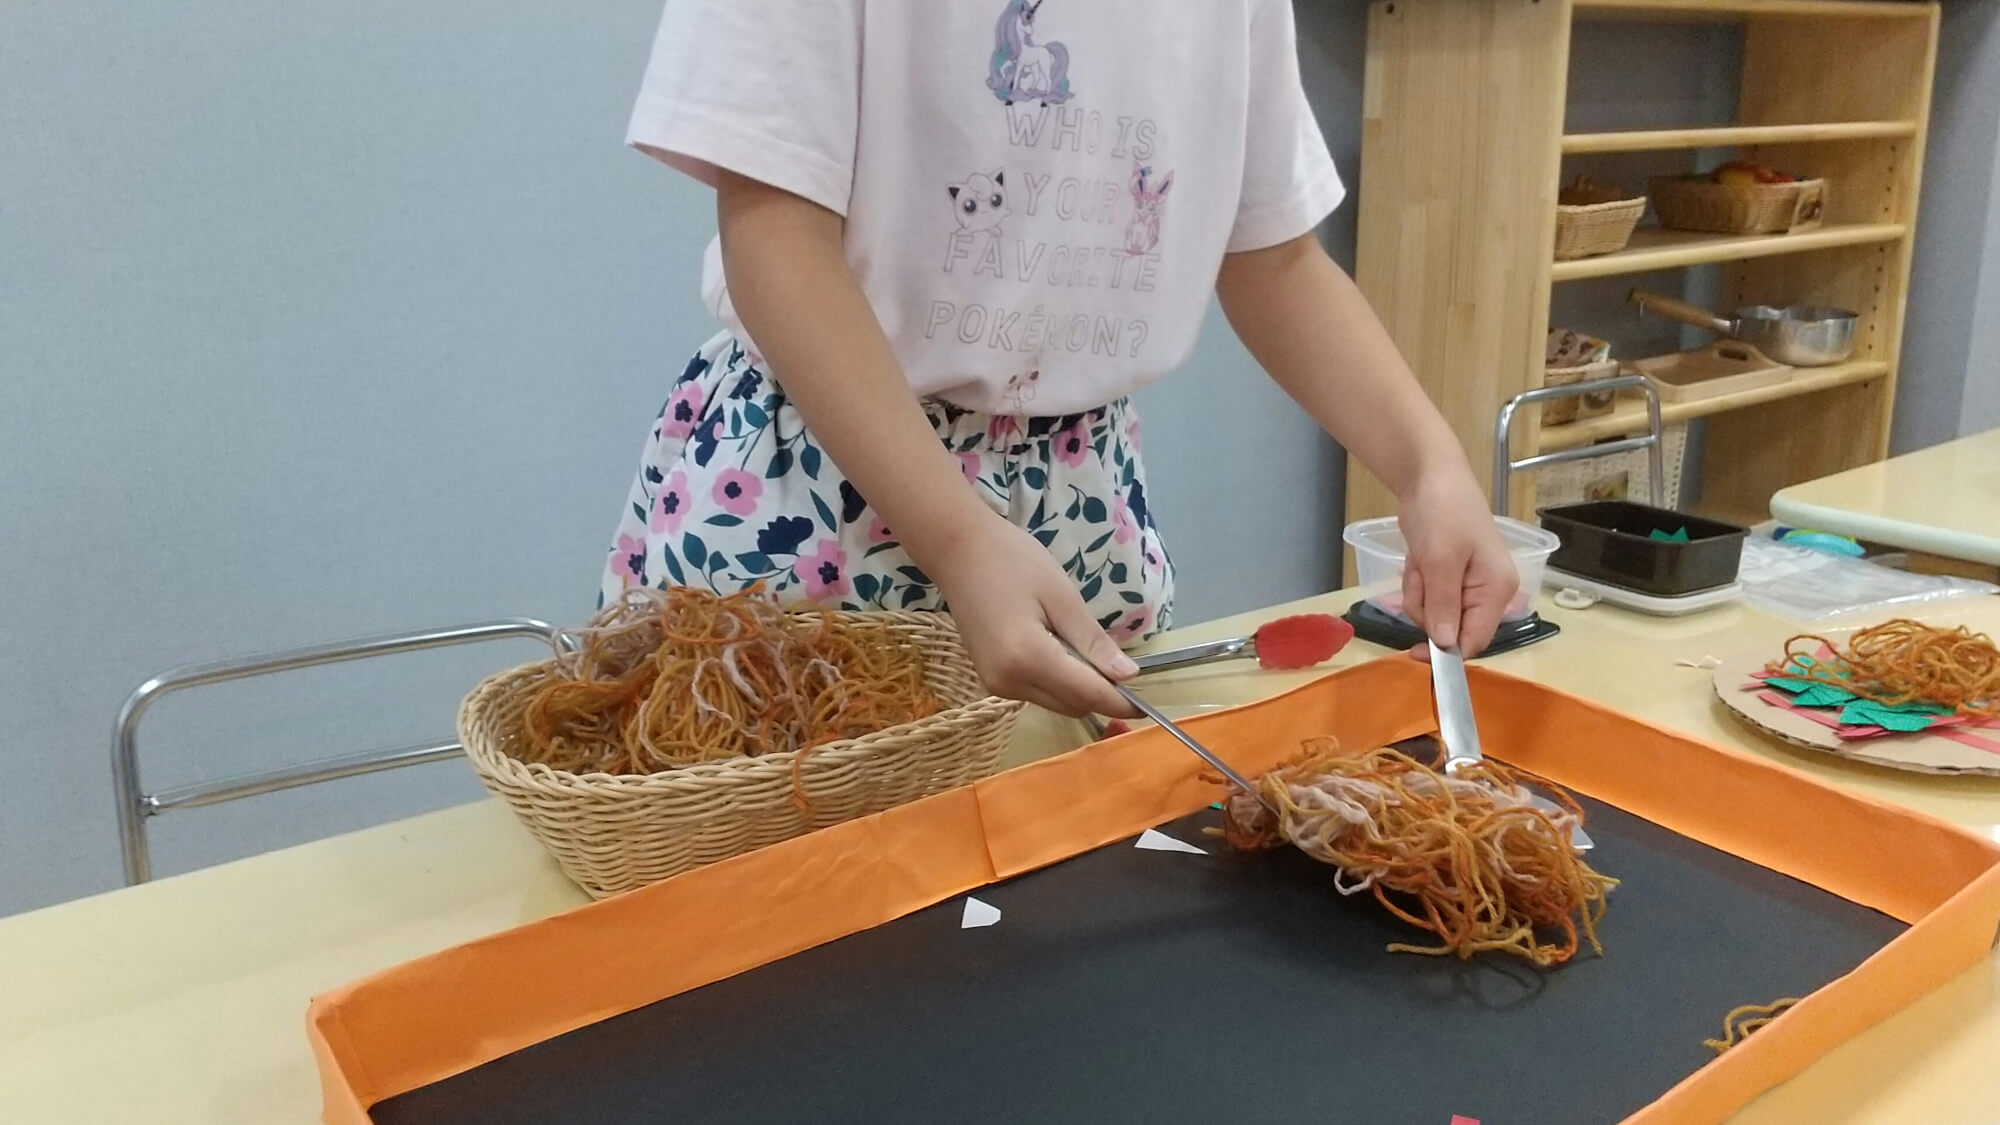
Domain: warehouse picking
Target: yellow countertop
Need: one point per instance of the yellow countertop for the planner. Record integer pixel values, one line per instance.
(184, 1000)
(1943, 501)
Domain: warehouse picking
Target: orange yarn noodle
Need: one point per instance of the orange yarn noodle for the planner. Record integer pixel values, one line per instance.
(1465, 856)
(662, 679)
(1904, 661)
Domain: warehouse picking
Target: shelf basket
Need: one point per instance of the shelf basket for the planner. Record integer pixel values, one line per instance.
(1587, 230)
(1694, 203)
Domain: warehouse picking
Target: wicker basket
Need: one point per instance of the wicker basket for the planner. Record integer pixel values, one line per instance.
(1694, 203)
(1583, 231)
(1620, 476)
(1565, 410)
(613, 834)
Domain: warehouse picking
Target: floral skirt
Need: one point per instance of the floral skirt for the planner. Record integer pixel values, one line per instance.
(732, 491)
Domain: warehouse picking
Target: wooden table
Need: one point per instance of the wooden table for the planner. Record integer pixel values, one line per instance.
(1942, 502)
(184, 1000)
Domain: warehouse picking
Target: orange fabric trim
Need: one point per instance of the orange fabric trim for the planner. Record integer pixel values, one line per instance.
(441, 1015)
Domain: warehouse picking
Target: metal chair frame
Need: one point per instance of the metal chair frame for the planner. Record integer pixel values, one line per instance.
(1652, 441)
(136, 807)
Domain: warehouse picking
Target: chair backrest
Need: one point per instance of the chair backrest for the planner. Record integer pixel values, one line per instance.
(135, 806)
(1652, 441)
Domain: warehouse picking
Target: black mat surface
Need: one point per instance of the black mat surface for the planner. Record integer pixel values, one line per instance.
(1145, 986)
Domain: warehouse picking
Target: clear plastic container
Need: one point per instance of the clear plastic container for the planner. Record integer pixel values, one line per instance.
(1379, 551)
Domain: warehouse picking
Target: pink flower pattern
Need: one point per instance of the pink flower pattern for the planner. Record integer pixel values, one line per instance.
(823, 572)
(678, 419)
(1124, 528)
(1071, 446)
(628, 561)
(670, 504)
(734, 492)
(1132, 626)
(968, 463)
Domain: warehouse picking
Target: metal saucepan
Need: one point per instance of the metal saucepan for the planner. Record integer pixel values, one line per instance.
(1801, 336)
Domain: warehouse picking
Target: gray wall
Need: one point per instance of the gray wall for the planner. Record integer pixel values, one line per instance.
(319, 319)
(1980, 404)
(1949, 383)
(325, 319)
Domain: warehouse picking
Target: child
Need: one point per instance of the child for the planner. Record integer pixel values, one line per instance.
(954, 236)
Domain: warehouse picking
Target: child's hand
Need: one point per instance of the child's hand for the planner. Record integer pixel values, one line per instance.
(1008, 594)
(1459, 577)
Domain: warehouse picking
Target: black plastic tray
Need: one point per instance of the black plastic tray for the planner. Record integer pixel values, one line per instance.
(1144, 986)
(1609, 541)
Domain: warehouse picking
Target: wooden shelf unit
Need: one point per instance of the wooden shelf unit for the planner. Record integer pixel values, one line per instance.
(1728, 10)
(1463, 143)
(1654, 249)
(1734, 136)
(1628, 418)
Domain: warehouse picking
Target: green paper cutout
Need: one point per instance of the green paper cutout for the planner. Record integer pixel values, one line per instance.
(1903, 717)
(1821, 695)
(1659, 536)
(1861, 713)
(1811, 693)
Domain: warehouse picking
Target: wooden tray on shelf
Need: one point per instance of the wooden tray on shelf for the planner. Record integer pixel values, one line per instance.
(1725, 367)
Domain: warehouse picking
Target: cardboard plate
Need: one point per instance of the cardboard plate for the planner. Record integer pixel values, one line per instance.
(1920, 753)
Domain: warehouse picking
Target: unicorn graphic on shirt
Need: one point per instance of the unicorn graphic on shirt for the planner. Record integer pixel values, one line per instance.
(1142, 234)
(1022, 69)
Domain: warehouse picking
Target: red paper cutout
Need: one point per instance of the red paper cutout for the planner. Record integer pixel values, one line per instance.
(1857, 733)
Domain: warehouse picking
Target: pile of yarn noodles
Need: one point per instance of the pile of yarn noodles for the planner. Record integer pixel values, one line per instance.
(1904, 661)
(662, 679)
(1464, 856)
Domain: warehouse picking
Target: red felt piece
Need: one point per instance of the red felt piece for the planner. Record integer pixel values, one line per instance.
(1301, 641)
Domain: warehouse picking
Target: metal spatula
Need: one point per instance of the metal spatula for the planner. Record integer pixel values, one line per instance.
(1459, 731)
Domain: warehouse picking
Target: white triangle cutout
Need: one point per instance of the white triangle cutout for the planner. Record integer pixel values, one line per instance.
(1153, 841)
(978, 914)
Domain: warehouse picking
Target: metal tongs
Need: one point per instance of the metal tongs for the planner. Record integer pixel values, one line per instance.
(1459, 731)
(1204, 753)
(1189, 741)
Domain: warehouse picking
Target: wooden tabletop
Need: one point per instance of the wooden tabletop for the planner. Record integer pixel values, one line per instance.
(184, 1000)
(1942, 501)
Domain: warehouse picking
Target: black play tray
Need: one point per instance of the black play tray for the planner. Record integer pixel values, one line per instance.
(1610, 541)
(1146, 986)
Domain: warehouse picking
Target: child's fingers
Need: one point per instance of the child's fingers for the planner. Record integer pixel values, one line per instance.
(1102, 659)
(1413, 592)
(1481, 620)
(1491, 581)
(1443, 583)
(1070, 619)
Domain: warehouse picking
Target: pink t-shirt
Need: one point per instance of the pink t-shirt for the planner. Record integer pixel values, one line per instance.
(1038, 193)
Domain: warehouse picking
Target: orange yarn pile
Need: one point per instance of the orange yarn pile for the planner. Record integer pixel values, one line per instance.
(662, 679)
(1464, 856)
(1904, 661)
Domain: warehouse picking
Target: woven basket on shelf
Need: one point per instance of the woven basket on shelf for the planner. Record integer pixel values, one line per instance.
(1620, 476)
(1565, 410)
(616, 833)
(1694, 203)
(1586, 230)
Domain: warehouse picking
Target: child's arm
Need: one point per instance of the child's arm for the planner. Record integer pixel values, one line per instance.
(1309, 326)
(790, 285)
